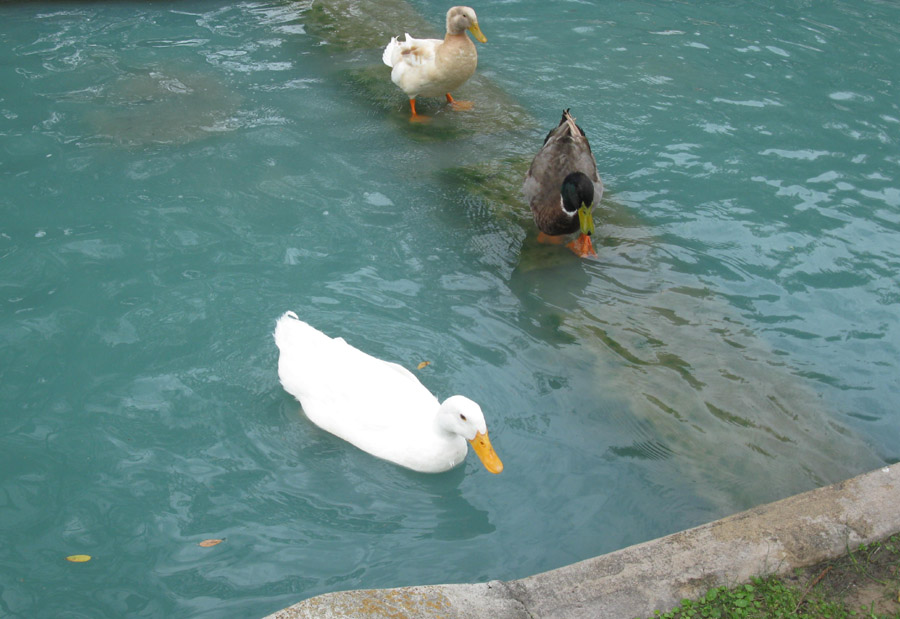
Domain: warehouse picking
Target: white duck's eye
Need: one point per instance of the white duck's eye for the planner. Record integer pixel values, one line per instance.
(463, 417)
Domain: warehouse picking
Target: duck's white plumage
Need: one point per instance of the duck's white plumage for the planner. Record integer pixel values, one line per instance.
(376, 405)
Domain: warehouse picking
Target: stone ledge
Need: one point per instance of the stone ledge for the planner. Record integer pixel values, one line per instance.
(633, 582)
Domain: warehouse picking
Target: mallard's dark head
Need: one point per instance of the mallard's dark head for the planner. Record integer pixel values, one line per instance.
(578, 195)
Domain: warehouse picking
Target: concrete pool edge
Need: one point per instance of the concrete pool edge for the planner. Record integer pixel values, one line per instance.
(775, 538)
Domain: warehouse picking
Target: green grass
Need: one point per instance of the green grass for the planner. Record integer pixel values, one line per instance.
(864, 584)
(768, 597)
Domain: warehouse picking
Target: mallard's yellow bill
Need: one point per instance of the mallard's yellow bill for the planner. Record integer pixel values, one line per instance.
(476, 32)
(482, 446)
(586, 220)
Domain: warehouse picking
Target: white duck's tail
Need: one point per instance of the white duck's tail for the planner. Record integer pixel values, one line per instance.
(300, 342)
(280, 324)
(299, 347)
(291, 332)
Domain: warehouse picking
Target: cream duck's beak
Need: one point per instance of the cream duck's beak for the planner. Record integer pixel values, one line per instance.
(476, 32)
(485, 452)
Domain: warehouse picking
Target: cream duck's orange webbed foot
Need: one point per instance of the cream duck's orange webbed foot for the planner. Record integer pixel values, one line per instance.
(582, 246)
(459, 106)
(416, 118)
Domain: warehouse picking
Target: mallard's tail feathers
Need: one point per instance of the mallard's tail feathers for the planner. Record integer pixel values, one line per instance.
(568, 119)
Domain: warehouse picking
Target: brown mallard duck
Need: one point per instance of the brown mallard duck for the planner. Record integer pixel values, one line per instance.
(563, 187)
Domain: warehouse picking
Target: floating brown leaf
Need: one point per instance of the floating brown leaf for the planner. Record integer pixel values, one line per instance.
(423, 364)
(210, 542)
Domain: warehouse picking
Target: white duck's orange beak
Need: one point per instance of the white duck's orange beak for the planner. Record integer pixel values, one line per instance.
(485, 452)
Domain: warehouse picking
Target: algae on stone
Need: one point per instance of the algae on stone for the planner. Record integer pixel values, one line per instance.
(713, 399)
(361, 24)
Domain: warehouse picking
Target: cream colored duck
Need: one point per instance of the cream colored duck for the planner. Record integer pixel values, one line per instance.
(376, 405)
(435, 67)
(563, 187)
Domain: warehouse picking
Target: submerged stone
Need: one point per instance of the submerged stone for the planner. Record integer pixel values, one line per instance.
(167, 104)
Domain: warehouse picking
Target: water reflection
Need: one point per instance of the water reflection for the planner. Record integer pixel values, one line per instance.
(451, 517)
(375, 496)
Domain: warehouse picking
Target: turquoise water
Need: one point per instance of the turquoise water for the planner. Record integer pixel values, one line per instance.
(175, 176)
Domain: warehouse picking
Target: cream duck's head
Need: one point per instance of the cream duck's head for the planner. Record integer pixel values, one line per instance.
(462, 18)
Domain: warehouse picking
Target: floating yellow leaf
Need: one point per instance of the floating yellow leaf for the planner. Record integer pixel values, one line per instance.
(423, 364)
(210, 542)
(78, 558)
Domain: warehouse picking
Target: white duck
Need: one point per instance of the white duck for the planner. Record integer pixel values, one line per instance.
(379, 406)
(435, 67)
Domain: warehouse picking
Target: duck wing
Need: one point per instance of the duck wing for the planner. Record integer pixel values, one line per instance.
(412, 52)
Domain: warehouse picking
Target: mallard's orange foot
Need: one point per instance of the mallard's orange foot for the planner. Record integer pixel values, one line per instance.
(550, 239)
(582, 246)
